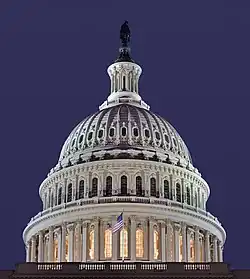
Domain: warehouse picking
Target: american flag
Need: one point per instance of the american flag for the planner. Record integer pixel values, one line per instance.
(119, 223)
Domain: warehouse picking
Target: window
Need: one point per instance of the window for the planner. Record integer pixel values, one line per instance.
(138, 186)
(124, 185)
(109, 186)
(91, 245)
(195, 199)
(90, 135)
(139, 243)
(192, 250)
(60, 195)
(73, 142)
(152, 187)
(69, 195)
(188, 196)
(156, 244)
(166, 138)
(135, 132)
(124, 83)
(81, 138)
(111, 132)
(108, 243)
(94, 187)
(146, 132)
(52, 200)
(174, 141)
(55, 246)
(81, 189)
(178, 192)
(180, 248)
(124, 243)
(166, 189)
(157, 135)
(100, 134)
(67, 248)
(201, 249)
(124, 131)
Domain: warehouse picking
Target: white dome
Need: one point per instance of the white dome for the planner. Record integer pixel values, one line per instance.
(124, 158)
(124, 129)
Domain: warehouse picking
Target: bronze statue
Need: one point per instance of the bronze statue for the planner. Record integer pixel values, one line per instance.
(125, 34)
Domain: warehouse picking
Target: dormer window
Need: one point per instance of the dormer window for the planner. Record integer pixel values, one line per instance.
(135, 132)
(90, 135)
(100, 134)
(111, 132)
(157, 135)
(124, 131)
(146, 132)
(81, 139)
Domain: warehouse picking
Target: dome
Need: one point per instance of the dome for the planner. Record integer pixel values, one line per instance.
(124, 127)
(125, 164)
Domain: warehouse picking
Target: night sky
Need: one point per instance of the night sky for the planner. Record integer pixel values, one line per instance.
(196, 67)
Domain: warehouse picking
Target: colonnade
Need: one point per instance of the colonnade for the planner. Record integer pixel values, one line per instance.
(139, 240)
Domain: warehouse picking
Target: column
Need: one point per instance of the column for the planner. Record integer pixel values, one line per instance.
(177, 230)
(215, 249)
(63, 243)
(189, 235)
(40, 247)
(132, 238)
(207, 247)
(50, 246)
(151, 240)
(220, 247)
(28, 250)
(96, 239)
(114, 241)
(197, 244)
(33, 249)
(169, 242)
(78, 242)
(58, 237)
(70, 228)
(84, 241)
(184, 242)
(163, 241)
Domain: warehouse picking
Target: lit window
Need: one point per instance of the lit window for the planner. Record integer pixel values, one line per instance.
(91, 244)
(180, 245)
(124, 243)
(201, 249)
(139, 243)
(192, 250)
(156, 245)
(55, 250)
(108, 243)
(67, 248)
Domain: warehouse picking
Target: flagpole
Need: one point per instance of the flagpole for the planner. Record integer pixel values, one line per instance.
(122, 236)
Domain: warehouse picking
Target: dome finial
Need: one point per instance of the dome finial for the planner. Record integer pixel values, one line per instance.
(124, 50)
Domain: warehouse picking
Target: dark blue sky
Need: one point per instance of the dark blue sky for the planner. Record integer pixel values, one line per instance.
(195, 59)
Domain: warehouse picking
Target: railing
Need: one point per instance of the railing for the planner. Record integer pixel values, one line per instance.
(124, 267)
(126, 199)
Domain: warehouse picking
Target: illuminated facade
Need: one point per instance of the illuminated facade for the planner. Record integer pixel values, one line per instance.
(124, 157)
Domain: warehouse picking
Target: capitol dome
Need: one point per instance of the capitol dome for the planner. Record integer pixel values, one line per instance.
(126, 163)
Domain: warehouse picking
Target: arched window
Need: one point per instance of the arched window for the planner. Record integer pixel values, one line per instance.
(152, 187)
(124, 243)
(156, 244)
(108, 243)
(94, 187)
(46, 248)
(55, 246)
(124, 185)
(91, 243)
(192, 250)
(139, 243)
(188, 196)
(60, 195)
(178, 192)
(201, 240)
(138, 186)
(109, 186)
(81, 189)
(69, 195)
(166, 189)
